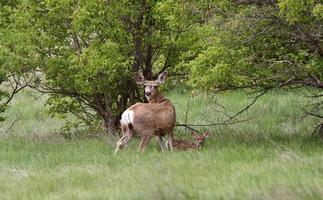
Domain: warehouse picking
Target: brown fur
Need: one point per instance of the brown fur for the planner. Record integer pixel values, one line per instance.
(181, 144)
(156, 118)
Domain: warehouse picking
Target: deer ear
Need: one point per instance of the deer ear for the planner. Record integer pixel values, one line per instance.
(161, 78)
(206, 134)
(194, 134)
(139, 78)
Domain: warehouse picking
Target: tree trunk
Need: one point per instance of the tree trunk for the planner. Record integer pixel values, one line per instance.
(103, 109)
(148, 62)
(109, 124)
(320, 131)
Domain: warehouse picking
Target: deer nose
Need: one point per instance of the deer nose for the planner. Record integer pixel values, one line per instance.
(148, 94)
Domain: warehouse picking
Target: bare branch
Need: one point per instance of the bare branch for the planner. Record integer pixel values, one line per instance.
(217, 123)
(16, 87)
(313, 114)
(230, 120)
(9, 129)
(77, 45)
(249, 105)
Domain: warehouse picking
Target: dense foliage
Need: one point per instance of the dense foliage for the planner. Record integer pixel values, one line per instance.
(84, 52)
(262, 44)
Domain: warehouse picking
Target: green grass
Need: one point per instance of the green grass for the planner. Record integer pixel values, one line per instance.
(28, 117)
(272, 156)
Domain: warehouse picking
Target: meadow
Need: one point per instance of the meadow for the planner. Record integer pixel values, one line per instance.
(273, 155)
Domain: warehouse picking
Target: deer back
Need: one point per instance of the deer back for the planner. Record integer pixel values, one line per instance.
(153, 116)
(181, 144)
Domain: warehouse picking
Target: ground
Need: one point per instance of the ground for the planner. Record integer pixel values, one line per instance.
(271, 156)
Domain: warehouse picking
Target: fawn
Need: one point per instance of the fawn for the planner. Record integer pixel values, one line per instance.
(156, 118)
(187, 145)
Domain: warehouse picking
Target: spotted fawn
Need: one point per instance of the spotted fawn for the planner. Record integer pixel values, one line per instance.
(181, 144)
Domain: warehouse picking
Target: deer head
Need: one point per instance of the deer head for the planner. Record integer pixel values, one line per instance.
(151, 87)
(199, 139)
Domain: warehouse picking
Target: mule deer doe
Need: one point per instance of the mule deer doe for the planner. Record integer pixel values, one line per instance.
(155, 118)
(187, 145)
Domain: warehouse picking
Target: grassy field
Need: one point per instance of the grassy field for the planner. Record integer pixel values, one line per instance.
(272, 156)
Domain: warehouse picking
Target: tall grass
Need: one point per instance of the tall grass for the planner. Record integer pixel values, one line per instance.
(272, 156)
(28, 117)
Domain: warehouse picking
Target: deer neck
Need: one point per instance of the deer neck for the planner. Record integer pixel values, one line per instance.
(156, 97)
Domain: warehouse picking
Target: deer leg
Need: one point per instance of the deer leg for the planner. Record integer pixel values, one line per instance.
(144, 141)
(122, 142)
(170, 140)
(167, 145)
(161, 144)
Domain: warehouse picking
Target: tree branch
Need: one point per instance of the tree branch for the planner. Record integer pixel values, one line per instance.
(229, 121)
